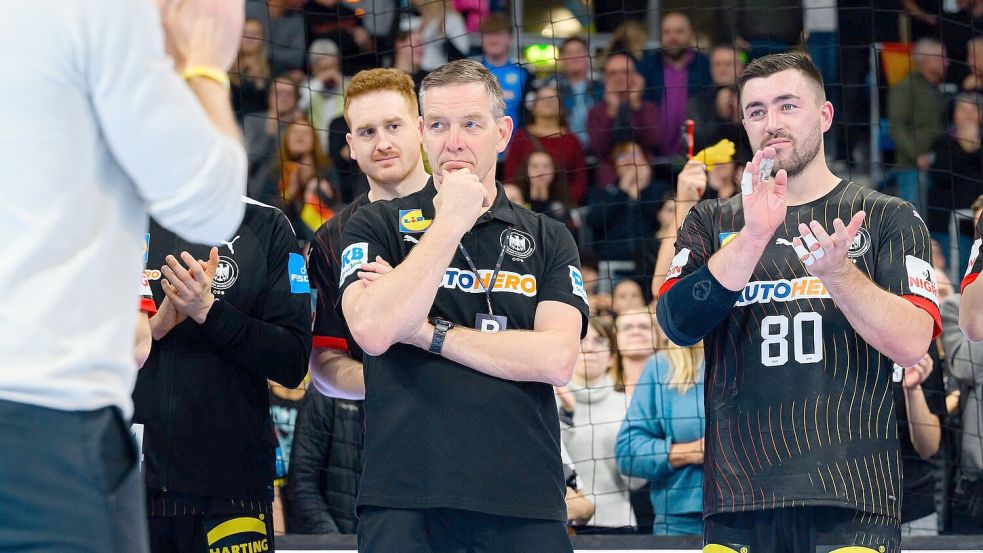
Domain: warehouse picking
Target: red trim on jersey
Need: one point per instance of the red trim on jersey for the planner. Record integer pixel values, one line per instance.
(931, 309)
(667, 285)
(967, 280)
(330, 342)
(147, 306)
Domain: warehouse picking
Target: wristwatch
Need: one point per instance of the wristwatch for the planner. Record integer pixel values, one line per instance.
(441, 326)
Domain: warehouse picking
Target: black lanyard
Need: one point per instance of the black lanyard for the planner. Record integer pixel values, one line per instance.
(498, 267)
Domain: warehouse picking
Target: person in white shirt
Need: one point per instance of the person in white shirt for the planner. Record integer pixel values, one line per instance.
(88, 83)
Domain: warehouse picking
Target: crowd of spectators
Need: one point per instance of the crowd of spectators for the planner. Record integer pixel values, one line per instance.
(601, 144)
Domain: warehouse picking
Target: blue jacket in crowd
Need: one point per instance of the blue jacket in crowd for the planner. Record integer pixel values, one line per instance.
(658, 417)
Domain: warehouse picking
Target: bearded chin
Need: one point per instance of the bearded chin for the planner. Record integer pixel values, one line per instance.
(800, 159)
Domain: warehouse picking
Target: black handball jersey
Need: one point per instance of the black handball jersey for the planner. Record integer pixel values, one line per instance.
(799, 407)
(323, 268)
(975, 263)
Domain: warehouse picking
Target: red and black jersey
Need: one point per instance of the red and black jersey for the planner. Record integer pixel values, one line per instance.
(975, 263)
(323, 269)
(799, 407)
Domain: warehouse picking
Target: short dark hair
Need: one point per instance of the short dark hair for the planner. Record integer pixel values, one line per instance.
(466, 71)
(575, 38)
(767, 66)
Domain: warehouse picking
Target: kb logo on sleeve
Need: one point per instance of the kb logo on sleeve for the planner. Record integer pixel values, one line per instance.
(352, 259)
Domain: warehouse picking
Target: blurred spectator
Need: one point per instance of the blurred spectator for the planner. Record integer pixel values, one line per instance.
(633, 35)
(547, 131)
(627, 296)
(598, 411)
(715, 110)
(334, 20)
(307, 195)
(750, 24)
(957, 174)
(408, 56)
(966, 366)
(284, 23)
(623, 116)
(496, 54)
(600, 302)
(859, 24)
(283, 410)
(325, 464)
(263, 134)
(250, 75)
(579, 508)
(974, 65)
(919, 400)
(923, 17)
(722, 182)
(635, 338)
(819, 25)
(622, 215)
(473, 12)
(956, 30)
(322, 96)
(665, 232)
(672, 74)
(576, 85)
(661, 439)
(514, 193)
(348, 177)
(544, 187)
(916, 114)
(442, 32)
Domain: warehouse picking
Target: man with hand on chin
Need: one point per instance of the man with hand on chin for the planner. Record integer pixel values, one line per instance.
(464, 339)
(806, 289)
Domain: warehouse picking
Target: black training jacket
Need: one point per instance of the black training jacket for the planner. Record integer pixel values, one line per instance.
(203, 395)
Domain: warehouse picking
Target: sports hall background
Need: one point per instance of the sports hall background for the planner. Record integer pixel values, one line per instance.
(297, 56)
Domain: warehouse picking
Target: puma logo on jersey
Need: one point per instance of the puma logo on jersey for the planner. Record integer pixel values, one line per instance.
(783, 242)
(229, 244)
(408, 238)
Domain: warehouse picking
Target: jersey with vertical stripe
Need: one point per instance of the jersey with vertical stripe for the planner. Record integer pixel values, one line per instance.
(799, 407)
(975, 265)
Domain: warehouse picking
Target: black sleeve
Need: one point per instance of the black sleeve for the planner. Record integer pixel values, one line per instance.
(365, 236)
(562, 280)
(694, 244)
(311, 447)
(322, 269)
(904, 262)
(277, 345)
(975, 265)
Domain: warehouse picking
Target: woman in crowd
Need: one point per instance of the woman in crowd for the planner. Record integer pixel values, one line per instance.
(596, 415)
(250, 76)
(622, 216)
(661, 439)
(548, 131)
(306, 193)
(263, 132)
(544, 188)
(627, 295)
(442, 31)
(957, 175)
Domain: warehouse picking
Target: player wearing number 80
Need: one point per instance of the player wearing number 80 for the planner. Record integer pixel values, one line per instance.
(803, 314)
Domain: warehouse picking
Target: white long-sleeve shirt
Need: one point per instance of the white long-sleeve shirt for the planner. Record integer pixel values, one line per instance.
(96, 131)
